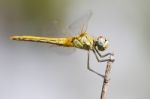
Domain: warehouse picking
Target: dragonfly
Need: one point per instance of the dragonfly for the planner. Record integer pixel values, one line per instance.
(83, 40)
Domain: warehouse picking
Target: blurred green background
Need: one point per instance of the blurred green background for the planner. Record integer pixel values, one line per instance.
(33, 71)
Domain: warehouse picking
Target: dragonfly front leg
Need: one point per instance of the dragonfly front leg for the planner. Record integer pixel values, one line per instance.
(104, 54)
(111, 58)
(88, 66)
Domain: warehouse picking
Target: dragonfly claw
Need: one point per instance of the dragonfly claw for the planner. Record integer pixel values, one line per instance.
(112, 58)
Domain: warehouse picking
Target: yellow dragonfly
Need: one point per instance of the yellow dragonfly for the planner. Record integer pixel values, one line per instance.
(82, 41)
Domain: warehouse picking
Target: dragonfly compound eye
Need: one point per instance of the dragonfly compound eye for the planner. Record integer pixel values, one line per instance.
(101, 43)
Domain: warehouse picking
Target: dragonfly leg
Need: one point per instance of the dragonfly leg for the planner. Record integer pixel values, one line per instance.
(111, 58)
(96, 55)
(88, 66)
(111, 54)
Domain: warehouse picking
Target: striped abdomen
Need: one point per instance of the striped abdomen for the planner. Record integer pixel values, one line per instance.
(58, 41)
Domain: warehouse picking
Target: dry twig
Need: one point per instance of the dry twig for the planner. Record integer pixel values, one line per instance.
(104, 91)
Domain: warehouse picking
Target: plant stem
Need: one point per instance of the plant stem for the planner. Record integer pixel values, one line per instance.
(104, 91)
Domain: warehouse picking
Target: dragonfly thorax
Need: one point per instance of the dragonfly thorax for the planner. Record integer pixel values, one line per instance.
(83, 41)
(101, 43)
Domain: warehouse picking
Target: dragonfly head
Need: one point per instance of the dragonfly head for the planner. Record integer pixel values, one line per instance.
(101, 43)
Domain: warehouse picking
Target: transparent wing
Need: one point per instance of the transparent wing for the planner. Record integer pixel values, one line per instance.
(81, 24)
(57, 28)
(62, 50)
(52, 28)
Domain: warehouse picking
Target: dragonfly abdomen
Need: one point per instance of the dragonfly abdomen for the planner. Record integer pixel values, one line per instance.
(57, 41)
